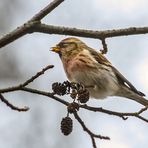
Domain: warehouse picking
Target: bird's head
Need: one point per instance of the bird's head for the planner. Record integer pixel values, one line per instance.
(68, 47)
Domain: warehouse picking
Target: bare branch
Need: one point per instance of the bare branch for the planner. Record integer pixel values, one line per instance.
(31, 27)
(24, 109)
(34, 25)
(22, 87)
(34, 91)
(27, 27)
(50, 29)
(124, 116)
(43, 93)
(15, 88)
(17, 33)
(91, 134)
(36, 76)
(104, 50)
(46, 10)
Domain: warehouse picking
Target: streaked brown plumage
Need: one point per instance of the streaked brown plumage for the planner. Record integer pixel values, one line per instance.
(87, 66)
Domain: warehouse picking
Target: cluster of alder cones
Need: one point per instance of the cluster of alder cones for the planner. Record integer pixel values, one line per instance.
(78, 93)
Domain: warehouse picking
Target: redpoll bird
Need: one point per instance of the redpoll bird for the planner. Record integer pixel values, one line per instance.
(85, 65)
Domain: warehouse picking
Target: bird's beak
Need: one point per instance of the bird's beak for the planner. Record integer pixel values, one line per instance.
(55, 49)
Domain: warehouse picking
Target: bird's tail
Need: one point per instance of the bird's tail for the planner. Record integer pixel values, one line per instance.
(128, 93)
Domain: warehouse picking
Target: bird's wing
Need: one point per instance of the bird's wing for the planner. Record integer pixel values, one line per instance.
(122, 80)
(99, 57)
(125, 82)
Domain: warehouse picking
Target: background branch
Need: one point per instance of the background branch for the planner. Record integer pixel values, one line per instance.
(34, 25)
(104, 50)
(22, 87)
(15, 34)
(50, 29)
(124, 116)
(23, 109)
(14, 88)
(46, 10)
(91, 134)
(36, 75)
(27, 27)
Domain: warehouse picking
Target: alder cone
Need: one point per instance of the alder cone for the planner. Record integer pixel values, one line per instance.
(66, 126)
(83, 95)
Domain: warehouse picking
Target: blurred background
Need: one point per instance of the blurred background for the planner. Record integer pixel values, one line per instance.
(40, 126)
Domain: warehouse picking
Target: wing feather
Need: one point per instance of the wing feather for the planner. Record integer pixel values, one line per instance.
(125, 82)
(121, 79)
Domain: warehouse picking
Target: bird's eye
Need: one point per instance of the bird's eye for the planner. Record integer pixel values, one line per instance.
(62, 45)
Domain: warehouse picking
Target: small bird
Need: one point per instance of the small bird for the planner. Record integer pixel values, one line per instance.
(89, 67)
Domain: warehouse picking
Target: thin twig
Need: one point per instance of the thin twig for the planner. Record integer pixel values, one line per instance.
(90, 133)
(16, 33)
(27, 27)
(35, 91)
(124, 116)
(93, 142)
(46, 10)
(104, 50)
(36, 75)
(23, 109)
(44, 93)
(15, 88)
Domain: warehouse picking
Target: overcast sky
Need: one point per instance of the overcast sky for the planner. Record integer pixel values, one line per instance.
(39, 128)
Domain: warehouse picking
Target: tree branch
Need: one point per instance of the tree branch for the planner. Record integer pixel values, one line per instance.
(44, 93)
(22, 87)
(18, 87)
(27, 27)
(36, 26)
(91, 134)
(36, 75)
(46, 10)
(124, 116)
(50, 29)
(24, 109)
(104, 50)
(17, 33)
